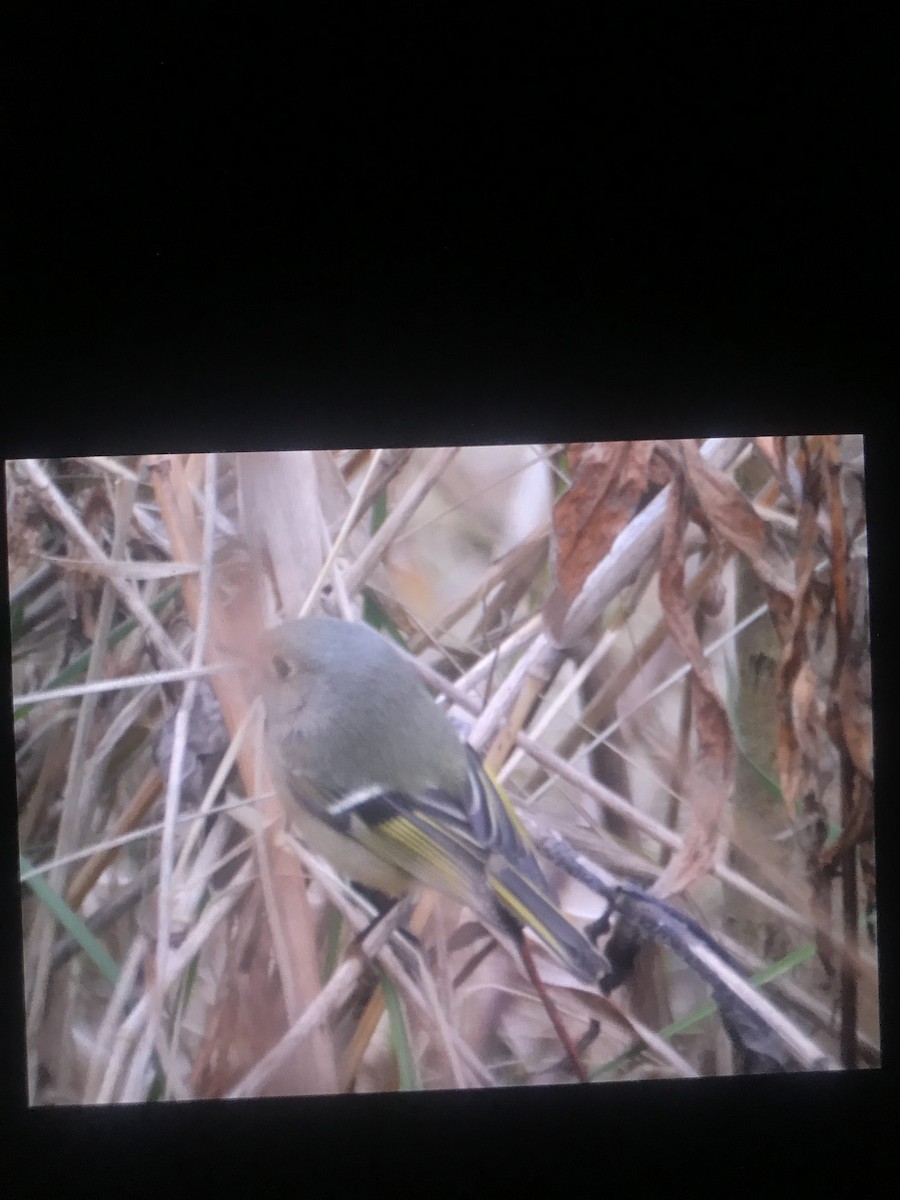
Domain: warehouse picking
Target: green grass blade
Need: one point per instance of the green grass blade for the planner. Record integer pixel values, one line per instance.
(71, 922)
(399, 1037)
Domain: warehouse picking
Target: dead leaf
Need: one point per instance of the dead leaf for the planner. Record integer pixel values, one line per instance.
(857, 827)
(855, 707)
(795, 680)
(774, 451)
(609, 480)
(713, 771)
(733, 517)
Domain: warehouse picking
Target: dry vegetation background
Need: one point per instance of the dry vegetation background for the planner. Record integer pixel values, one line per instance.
(661, 648)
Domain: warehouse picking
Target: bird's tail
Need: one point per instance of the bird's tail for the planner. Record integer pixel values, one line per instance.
(518, 896)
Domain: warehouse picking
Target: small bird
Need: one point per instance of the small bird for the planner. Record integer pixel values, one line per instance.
(377, 780)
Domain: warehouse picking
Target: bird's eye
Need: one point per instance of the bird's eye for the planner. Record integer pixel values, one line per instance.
(280, 666)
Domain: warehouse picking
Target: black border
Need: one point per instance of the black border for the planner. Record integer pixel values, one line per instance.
(227, 233)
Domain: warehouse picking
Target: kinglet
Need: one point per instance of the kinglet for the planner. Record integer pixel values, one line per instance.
(377, 781)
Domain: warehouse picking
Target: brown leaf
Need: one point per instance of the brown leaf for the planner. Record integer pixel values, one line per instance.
(713, 772)
(608, 481)
(856, 716)
(800, 747)
(774, 451)
(798, 750)
(857, 828)
(662, 460)
(851, 679)
(733, 517)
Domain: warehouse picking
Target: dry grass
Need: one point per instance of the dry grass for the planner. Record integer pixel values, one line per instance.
(683, 697)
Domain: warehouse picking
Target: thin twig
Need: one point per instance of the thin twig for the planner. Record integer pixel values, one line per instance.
(475, 493)
(105, 1037)
(694, 946)
(179, 744)
(551, 1010)
(110, 465)
(540, 659)
(139, 834)
(64, 513)
(181, 675)
(550, 711)
(344, 532)
(358, 571)
(388, 958)
(139, 805)
(331, 997)
(71, 817)
(178, 962)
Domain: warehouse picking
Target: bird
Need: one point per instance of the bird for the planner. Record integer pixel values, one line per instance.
(376, 779)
